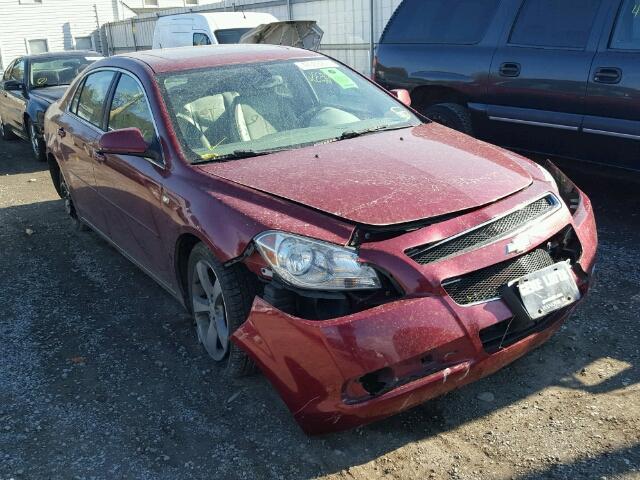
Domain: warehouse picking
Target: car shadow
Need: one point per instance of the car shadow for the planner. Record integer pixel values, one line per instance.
(96, 333)
(17, 149)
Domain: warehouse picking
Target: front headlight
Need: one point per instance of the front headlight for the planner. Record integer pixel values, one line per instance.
(548, 177)
(307, 263)
(565, 187)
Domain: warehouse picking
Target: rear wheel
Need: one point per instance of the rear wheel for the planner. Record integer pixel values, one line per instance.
(451, 115)
(69, 207)
(220, 300)
(37, 145)
(6, 132)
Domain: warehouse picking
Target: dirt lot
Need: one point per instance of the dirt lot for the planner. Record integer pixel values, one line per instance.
(101, 375)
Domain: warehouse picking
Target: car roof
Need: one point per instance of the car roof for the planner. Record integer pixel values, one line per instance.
(187, 58)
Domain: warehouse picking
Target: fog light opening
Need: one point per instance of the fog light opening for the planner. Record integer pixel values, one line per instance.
(377, 382)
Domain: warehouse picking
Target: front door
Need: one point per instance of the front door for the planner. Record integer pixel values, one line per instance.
(539, 73)
(612, 122)
(131, 186)
(15, 101)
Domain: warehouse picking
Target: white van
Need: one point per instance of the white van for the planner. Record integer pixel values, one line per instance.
(188, 29)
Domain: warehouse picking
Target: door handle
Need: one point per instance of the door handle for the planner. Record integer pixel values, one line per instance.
(610, 75)
(510, 69)
(61, 132)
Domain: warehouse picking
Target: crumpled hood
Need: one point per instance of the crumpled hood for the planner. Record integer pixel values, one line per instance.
(385, 178)
(50, 94)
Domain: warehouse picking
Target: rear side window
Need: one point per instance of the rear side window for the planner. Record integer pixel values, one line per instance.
(93, 97)
(230, 35)
(626, 35)
(129, 108)
(455, 22)
(555, 23)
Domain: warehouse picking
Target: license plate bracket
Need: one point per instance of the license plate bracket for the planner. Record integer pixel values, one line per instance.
(542, 292)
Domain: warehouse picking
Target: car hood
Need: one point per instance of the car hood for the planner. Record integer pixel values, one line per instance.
(385, 178)
(50, 94)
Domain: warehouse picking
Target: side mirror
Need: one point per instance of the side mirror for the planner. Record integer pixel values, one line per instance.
(127, 141)
(12, 85)
(402, 95)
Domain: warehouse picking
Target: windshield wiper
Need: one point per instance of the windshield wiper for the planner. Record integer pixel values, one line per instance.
(235, 155)
(358, 133)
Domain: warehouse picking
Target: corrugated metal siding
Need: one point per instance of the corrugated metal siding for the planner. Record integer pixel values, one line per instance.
(345, 23)
(57, 21)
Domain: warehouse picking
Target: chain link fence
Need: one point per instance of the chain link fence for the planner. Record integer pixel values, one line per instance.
(351, 27)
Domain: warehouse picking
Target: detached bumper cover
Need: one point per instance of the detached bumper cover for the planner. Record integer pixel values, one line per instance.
(422, 347)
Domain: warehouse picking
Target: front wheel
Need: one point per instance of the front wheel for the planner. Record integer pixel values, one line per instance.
(37, 145)
(220, 300)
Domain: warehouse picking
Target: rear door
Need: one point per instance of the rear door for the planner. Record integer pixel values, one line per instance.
(612, 120)
(539, 72)
(79, 130)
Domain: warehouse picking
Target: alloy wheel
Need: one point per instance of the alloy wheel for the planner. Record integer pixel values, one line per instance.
(209, 311)
(34, 139)
(66, 196)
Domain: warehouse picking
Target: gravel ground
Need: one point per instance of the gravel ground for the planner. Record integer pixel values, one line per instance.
(101, 375)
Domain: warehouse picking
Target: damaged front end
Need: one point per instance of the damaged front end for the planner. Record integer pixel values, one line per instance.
(353, 334)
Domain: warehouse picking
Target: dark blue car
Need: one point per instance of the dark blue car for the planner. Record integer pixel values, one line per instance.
(29, 85)
(558, 77)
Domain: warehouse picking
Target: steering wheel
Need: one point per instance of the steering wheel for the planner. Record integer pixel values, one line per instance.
(307, 116)
(191, 132)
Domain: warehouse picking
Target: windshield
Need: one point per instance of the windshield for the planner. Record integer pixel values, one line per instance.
(237, 110)
(54, 71)
(231, 35)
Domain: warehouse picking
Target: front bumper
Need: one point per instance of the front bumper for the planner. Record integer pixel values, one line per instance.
(345, 372)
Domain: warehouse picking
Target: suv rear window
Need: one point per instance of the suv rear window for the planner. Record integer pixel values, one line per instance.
(555, 23)
(627, 33)
(455, 22)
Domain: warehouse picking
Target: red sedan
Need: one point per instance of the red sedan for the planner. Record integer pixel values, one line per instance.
(365, 259)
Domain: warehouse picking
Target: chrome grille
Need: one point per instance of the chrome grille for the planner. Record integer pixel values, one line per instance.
(485, 234)
(484, 285)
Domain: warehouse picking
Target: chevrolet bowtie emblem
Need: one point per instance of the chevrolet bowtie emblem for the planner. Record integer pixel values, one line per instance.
(519, 244)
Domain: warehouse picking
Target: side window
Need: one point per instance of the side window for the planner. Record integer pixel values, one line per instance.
(454, 22)
(626, 35)
(130, 109)
(17, 73)
(200, 39)
(94, 96)
(555, 23)
(7, 72)
(76, 98)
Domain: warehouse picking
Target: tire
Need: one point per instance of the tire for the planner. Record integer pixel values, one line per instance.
(226, 299)
(451, 115)
(70, 208)
(37, 145)
(6, 133)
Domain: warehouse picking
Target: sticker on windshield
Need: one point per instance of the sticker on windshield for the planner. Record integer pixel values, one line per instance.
(315, 64)
(339, 77)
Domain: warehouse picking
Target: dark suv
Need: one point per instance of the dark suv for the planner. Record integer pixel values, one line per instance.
(557, 77)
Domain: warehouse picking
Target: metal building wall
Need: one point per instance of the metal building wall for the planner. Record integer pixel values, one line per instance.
(346, 25)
